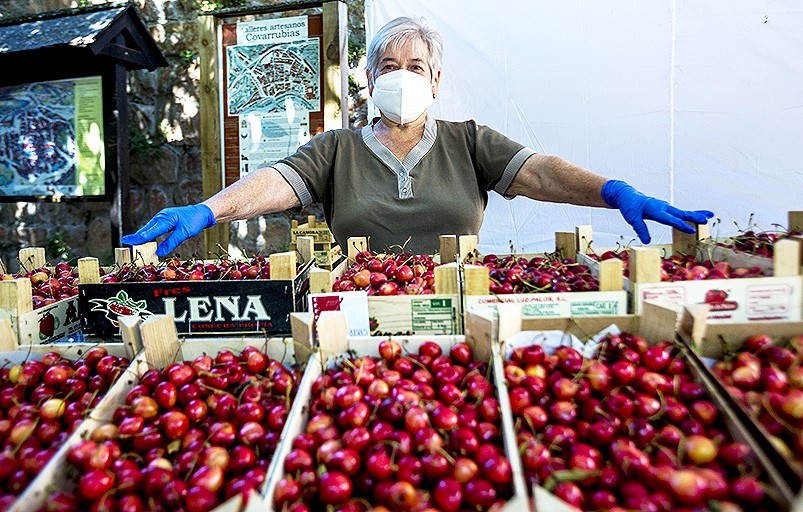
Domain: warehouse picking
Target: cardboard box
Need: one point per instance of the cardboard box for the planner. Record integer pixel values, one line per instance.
(159, 337)
(717, 340)
(47, 324)
(773, 298)
(436, 314)
(40, 487)
(334, 342)
(611, 299)
(510, 330)
(201, 307)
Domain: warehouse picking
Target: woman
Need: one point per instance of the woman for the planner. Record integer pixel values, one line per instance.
(405, 174)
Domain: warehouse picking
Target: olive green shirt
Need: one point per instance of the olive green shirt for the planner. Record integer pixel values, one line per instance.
(440, 188)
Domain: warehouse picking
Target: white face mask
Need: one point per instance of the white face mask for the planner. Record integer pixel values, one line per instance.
(402, 95)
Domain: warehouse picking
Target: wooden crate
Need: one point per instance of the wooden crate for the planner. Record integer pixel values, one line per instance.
(717, 340)
(771, 298)
(319, 231)
(786, 260)
(56, 321)
(439, 313)
(332, 335)
(611, 299)
(161, 347)
(198, 307)
(510, 330)
(316, 238)
(12, 353)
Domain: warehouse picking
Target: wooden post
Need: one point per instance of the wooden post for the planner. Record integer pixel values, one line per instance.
(88, 271)
(657, 322)
(583, 238)
(480, 328)
(795, 221)
(476, 280)
(312, 223)
(645, 265)
(160, 340)
(122, 256)
(17, 295)
(32, 258)
(786, 258)
(799, 240)
(132, 337)
(447, 280)
(356, 244)
(209, 108)
(301, 327)
(685, 243)
(467, 245)
(332, 331)
(320, 280)
(8, 338)
(305, 247)
(693, 323)
(283, 266)
(145, 254)
(565, 244)
(508, 320)
(610, 275)
(335, 66)
(448, 248)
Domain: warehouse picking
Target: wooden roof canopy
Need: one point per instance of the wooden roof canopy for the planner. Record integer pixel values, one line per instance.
(110, 33)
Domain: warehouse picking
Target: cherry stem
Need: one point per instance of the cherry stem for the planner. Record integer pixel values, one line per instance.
(445, 454)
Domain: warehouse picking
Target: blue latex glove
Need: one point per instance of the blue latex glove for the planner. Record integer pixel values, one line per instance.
(184, 221)
(635, 207)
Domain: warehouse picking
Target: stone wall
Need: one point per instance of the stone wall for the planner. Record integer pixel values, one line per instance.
(165, 156)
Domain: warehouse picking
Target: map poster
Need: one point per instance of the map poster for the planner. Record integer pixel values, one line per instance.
(262, 76)
(272, 91)
(266, 138)
(51, 139)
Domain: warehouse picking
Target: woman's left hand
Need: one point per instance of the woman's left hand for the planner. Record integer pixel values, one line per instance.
(635, 207)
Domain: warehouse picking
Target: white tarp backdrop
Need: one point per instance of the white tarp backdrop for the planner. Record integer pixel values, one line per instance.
(698, 103)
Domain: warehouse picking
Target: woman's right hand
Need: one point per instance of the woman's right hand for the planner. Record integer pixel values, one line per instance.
(184, 222)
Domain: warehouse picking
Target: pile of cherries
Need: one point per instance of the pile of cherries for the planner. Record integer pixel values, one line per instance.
(541, 274)
(402, 432)
(767, 379)
(41, 403)
(174, 269)
(389, 274)
(687, 267)
(49, 285)
(629, 429)
(758, 242)
(189, 437)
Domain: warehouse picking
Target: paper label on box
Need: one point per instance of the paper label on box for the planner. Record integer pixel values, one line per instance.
(556, 305)
(768, 302)
(674, 296)
(354, 304)
(596, 307)
(432, 315)
(731, 300)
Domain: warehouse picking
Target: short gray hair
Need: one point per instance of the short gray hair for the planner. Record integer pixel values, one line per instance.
(399, 31)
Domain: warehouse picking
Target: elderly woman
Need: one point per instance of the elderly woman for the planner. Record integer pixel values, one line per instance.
(405, 174)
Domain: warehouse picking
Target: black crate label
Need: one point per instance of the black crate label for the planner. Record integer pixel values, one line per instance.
(197, 306)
